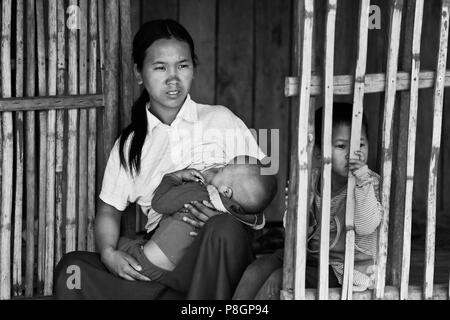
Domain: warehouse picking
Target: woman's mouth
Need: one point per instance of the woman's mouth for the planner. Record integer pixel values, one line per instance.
(173, 93)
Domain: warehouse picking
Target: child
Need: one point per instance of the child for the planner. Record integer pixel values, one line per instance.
(237, 188)
(263, 279)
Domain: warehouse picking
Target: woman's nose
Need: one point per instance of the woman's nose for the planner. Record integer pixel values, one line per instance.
(172, 77)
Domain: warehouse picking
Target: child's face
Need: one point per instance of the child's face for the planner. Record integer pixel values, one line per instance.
(167, 73)
(341, 149)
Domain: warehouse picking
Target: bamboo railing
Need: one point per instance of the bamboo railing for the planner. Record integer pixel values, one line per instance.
(359, 85)
(49, 159)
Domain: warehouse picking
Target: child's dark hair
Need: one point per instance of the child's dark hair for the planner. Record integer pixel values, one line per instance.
(147, 34)
(342, 114)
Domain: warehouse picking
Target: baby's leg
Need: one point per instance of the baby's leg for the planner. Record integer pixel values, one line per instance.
(135, 249)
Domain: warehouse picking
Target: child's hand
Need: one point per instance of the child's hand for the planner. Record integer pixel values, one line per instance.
(190, 175)
(356, 163)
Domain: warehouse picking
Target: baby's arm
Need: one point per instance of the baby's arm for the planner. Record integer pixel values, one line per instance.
(368, 208)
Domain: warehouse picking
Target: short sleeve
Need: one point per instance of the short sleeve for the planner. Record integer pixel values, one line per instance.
(117, 183)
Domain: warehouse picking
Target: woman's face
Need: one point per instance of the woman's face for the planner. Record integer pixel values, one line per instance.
(167, 73)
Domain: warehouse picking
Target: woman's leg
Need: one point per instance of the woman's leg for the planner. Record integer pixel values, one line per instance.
(214, 263)
(256, 275)
(82, 275)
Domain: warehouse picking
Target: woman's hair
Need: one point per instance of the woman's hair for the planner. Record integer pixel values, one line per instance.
(342, 114)
(147, 34)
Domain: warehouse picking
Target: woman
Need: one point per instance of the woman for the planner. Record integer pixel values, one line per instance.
(168, 132)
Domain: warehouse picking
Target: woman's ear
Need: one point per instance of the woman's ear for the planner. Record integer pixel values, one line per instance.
(137, 74)
(226, 191)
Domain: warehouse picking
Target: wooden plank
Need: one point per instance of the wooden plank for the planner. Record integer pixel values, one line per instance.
(374, 83)
(387, 151)
(411, 145)
(111, 88)
(59, 174)
(391, 293)
(53, 103)
(438, 97)
(30, 150)
(82, 130)
(135, 17)
(159, 9)
(101, 38)
(19, 140)
(235, 56)
(72, 150)
(7, 157)
(203, 31)
(327, 125)
(271, 57)
(51, 149)
(303, 157)
(358, 97)
(92, 125)
(42, 91)
(126, 64)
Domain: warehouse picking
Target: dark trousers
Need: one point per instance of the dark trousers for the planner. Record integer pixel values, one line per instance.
(210, 269)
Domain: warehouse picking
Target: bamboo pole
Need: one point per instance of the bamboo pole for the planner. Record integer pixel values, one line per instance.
(30, 150)
(51, 149)
(8, 156)
(303, 175)
(438, 97)
(386, 155)
(358, 97)
(92, 126)
(41, 56)
(18, 208)
(411, 145)
(327, 126)
(59, 174)
(82, 161)
(72, 151)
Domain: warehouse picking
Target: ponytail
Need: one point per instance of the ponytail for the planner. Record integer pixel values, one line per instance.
(138, 131)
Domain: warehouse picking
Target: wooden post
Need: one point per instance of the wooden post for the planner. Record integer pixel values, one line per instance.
(92, 126)
(51, 148)
(327, 125)
(18, 208)
(358, 96)
(438, 97)
(126, 64)
(30, 150)
(386, 155)
(411, 145)
(8, 157)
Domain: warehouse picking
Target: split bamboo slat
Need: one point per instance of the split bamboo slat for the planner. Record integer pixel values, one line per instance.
(59, 161)
(82, 137)
(326, 149)
(358, 97)
(126, 63)
(42, 91)
(411, 132)
(92, 126)
(7, 157)
(386, 153)
(101, 38)
(72, 150)
(303, 124)
(19, 131)
(53, 103)
(51, 149)
(438, 99)
(30, 150)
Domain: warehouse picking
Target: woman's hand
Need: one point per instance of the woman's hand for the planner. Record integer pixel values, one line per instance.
(201, 212)
(122, 265)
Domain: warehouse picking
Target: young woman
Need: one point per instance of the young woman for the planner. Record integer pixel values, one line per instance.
(169, 132)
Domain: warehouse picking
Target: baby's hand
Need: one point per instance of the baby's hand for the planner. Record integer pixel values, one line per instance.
(190, 175)
(356, 163)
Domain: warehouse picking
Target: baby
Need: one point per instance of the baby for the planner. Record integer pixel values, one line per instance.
(238, 189)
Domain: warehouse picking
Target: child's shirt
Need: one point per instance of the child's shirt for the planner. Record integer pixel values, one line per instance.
(367, 217)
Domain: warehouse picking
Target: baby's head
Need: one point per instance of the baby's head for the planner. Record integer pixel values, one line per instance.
(241, 180)
(340, 141)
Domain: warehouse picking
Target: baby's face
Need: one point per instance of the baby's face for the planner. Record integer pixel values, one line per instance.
(341, 149)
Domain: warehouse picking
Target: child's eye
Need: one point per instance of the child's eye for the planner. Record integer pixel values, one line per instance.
(340, 146)
(362, 145)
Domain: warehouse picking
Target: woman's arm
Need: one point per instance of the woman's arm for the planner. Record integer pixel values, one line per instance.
(107, 231)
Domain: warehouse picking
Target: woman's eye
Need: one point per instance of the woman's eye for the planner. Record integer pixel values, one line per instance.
(183, 66)
(162, 68)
